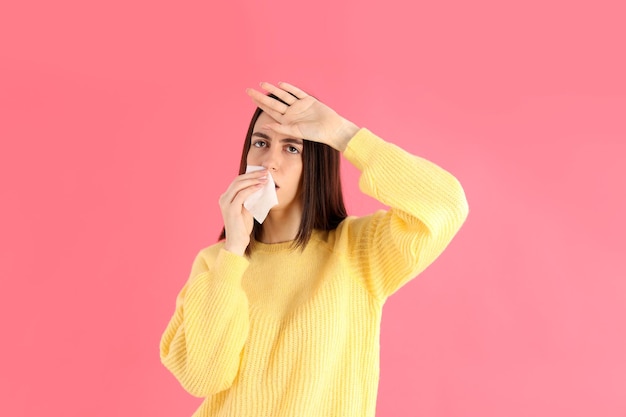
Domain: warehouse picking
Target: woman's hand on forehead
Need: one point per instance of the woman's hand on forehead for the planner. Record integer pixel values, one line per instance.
(303, 116)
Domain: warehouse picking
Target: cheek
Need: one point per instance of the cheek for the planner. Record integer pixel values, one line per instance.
(300, 169)
(297, 175)
(250, 159)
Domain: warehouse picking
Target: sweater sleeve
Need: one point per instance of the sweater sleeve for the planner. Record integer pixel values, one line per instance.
(427, 208)
(203, 341)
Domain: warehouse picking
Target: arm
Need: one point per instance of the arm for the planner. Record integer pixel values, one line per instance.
(428, 204)
(427, 208)
(203, 341)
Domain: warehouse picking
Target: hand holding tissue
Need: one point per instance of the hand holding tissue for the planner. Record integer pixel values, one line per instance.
(260, 203)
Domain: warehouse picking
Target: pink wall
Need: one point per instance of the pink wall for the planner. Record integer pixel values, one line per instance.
(121, 124)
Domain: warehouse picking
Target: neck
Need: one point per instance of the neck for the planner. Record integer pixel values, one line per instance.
(281, 226)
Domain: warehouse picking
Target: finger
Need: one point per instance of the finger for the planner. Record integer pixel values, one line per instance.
(252, 174)
(233, 199)
(285, 96)
(249, 176)
(244, 193)
(245, 182)
(274, 108)
(241, 183)
(293, 90)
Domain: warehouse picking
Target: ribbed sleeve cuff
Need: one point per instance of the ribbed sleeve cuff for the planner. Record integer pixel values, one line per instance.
(362, 148)
(230, 267)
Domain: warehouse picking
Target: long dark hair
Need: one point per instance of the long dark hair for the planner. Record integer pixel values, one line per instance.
(320, 186)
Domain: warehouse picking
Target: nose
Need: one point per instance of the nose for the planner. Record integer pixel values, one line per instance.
(271, 159)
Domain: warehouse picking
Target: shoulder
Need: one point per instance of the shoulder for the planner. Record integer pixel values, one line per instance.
(351, 229)
(211, 251)
(206, 257)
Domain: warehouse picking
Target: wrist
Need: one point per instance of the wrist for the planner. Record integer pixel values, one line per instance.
(236, 248)
(345, 132)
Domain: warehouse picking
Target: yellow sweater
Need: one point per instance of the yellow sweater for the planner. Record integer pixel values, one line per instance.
(290, 334)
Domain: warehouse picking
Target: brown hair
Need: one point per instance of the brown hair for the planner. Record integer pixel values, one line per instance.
(320, 186)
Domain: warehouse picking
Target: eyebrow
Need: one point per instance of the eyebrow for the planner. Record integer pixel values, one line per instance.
(286, 140)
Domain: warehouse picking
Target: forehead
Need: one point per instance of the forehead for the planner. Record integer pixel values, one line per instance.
(264, 119)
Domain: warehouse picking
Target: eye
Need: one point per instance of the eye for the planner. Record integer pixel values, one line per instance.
(259, 144)
(292, 149)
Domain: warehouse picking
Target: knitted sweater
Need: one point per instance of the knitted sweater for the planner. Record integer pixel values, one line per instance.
(284, 333)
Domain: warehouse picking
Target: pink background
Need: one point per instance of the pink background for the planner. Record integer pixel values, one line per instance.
(121, 123)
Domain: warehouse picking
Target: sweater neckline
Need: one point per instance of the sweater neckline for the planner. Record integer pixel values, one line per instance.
(286, 246)
(273, 247)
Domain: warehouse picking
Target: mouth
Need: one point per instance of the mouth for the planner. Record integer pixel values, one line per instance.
(276, 186)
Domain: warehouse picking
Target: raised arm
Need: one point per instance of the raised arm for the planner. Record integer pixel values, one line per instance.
(427, 208)
(428, 204)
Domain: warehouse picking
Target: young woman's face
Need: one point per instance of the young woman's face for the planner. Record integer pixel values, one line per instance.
(282, 156)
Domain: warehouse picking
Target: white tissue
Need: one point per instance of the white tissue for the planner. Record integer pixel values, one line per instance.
(260, 203)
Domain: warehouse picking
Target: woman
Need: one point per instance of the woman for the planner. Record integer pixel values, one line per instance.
(283, 318)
